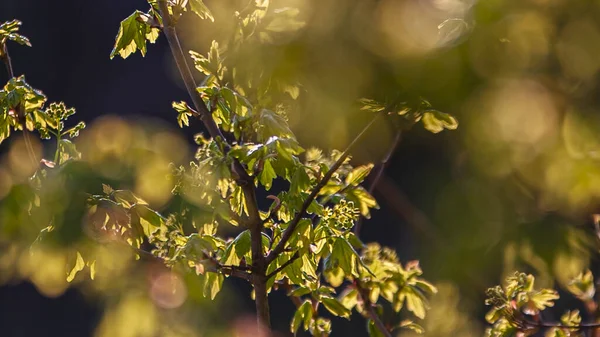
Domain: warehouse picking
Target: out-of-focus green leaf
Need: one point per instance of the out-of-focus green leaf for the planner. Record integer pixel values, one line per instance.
(302, 316)
(407, 324)
(201, 10)
(335, 307)
(358, 174)
(79, 265)
(436, 121)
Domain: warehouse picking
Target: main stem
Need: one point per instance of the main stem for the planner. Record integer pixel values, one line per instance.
(243, 179)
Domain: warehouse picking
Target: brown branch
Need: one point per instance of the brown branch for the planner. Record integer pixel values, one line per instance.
(243, 179)
(380, 170)
(7, 61)
(289, 231)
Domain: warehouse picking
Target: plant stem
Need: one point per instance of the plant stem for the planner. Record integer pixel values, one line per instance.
(243, 179)
(7, 62)
(57, 153)
(289, 231)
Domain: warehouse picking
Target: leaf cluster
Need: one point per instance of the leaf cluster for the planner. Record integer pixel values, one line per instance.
(517, 307)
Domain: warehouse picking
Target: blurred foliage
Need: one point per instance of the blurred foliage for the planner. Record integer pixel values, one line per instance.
(514, 188)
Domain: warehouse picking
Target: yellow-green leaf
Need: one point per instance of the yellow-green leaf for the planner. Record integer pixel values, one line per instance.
(79, 265)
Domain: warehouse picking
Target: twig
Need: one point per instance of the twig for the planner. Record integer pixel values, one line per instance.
(284, 265)
(380, 170)
(7, 61)
(289, 231)
(275, 209)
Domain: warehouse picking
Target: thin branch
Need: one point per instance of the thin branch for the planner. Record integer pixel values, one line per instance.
(371, 311)
(283, 266)
(380, 170)
(275, 209)
(289, 231)
(184, 70)
(7, 61)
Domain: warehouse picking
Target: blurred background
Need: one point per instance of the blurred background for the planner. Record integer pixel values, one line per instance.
(513, 188)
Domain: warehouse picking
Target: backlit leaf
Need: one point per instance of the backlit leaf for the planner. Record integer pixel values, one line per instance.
(79, 265)
(436, 121)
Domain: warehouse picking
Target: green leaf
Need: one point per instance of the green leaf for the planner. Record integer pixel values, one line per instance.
(425, 286)
(335, 276)
(335, 307)
(212, 284)
(302, 316)
(373, 330)
(133, 33)
(237, 249)
(152, 223)
(582, 286)
(371, 105)
(201, 10)
(407, 324)
(267, 175)
(415, 302)
(349, 298)
(238, 201)
(92, 267)
(300, 181)
(269, 124)
(67, 151)
(183, 113)
(8, 30)
(436, 121)
(358, 174)
(343, 256)
(284, 20)
(363, 200)
(79, 265)
(544, 298)
(128, 199)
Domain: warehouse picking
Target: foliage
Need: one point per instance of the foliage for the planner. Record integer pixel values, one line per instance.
(517, 307)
